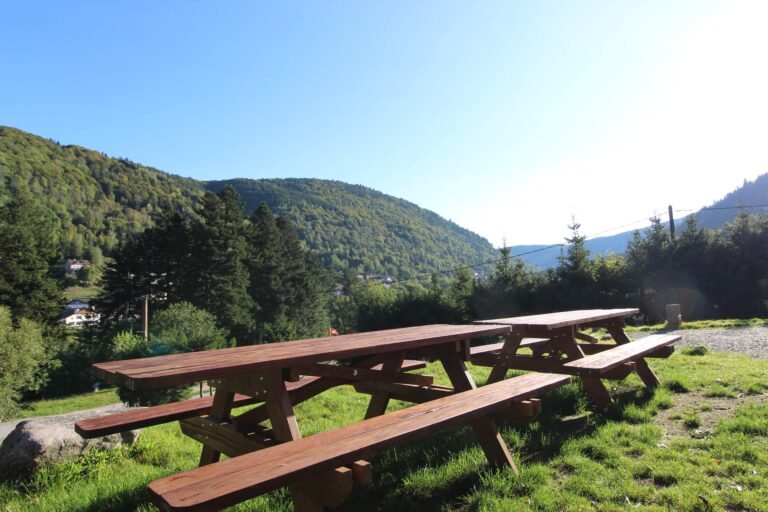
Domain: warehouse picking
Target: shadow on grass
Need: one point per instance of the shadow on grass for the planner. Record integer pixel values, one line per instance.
(566, 415)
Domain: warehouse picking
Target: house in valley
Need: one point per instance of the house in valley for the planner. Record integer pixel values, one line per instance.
(75, 317)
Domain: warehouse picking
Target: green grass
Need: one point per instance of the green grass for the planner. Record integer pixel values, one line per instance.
(81, 292)
(68, 404)
(570, 459)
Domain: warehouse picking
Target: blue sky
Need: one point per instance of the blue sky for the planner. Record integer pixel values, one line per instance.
(505, 117)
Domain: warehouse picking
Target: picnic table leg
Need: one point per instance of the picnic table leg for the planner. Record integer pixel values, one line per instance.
(511, 344)
(594, 386)
(221, 409)
(380, 399)
(310, 495)
(485, 430)
(641, 366)
(286, 429)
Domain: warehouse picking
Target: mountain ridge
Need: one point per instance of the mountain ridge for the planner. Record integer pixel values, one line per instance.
(96, 201)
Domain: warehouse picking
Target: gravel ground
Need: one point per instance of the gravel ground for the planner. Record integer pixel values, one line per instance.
(743, 340)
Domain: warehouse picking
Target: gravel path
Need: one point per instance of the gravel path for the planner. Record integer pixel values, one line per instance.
(743, 340)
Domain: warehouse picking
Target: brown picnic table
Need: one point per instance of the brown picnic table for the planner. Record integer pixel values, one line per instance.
(319, 470)
(558, 344)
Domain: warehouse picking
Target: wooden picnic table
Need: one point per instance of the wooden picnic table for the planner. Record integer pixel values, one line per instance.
(280, 375)
(558, 344)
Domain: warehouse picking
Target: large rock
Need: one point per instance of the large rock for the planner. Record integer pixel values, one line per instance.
(53, 439)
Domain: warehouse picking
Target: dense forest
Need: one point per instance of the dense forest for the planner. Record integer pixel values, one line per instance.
(96, 202)
(351, 226)
(92, 200)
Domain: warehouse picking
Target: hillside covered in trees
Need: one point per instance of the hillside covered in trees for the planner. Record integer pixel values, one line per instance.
(95, 201)
(355, 226)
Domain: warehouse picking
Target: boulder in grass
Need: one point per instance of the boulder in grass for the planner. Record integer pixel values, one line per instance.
(40, 441)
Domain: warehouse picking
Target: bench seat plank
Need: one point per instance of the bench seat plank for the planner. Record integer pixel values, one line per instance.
(141, 417)
(601, 362)
(495, 347)
(148, 416)
(594, 348)
(234, 480)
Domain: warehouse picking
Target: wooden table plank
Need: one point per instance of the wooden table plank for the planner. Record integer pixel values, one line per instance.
(561, 319)
(163, 371)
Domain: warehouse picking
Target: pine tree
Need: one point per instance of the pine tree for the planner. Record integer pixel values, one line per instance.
(27, 252)
(221, 284)
(264, 260)
(575, 273)
(287, 284)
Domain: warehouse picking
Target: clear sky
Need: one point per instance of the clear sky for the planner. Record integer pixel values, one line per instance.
(506, 117)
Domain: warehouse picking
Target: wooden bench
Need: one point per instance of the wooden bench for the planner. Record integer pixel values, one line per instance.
(603, 362)
(232, 481)
(149, 416)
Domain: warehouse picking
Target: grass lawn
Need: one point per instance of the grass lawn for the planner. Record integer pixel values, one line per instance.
(68, 404)
(81, 292)
(698, 443)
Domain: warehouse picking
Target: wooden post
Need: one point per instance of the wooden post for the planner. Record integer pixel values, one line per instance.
(379, 400)
(222, 407)
(146, 317)
(671, 224)
(674, 318)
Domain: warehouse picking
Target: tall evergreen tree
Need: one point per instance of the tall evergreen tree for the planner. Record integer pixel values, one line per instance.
(27, 253)
(265, 266)
(222, 278)
(575, 273)
(744, 273)
(288, 286)
(649, 256)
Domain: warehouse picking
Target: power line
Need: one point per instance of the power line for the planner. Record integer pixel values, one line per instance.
(493, 261)
(425, 275)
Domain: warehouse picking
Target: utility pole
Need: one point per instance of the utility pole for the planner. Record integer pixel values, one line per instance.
(146, 317)
(671, 224)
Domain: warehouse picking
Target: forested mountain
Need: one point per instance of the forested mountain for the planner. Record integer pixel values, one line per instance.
(750, 194)
(355, 226)
(95, 201)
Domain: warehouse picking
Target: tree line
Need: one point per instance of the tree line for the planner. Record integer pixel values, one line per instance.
(719, 273)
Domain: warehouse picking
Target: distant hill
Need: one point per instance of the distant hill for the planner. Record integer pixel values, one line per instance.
(96, 201)
(751, 193)
(357, 226)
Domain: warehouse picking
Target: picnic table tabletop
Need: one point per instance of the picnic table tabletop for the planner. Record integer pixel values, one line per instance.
(559, 345)
(176, 369)
(561, 319)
